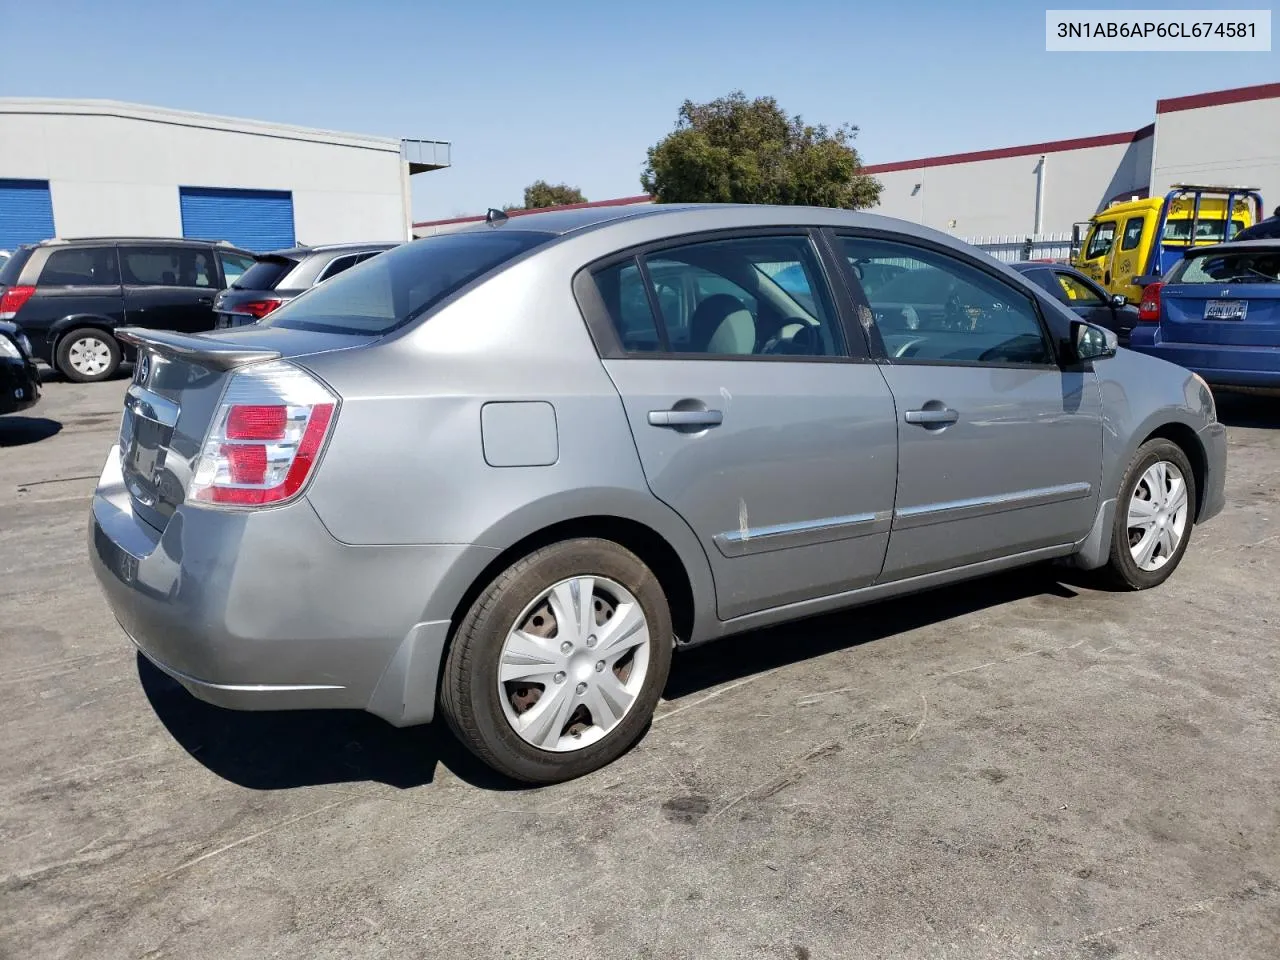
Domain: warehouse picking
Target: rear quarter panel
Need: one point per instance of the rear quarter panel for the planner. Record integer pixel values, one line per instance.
(406, 463)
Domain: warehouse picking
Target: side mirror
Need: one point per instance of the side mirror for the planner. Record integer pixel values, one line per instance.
(1119, 301)
(1090, 342)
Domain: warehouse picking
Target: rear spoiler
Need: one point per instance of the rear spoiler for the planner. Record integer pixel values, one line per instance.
(207, 351)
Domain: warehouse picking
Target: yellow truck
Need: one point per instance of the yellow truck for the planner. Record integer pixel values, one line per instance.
(1140, 239)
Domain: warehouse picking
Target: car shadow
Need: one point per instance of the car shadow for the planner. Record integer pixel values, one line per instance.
(1247, 410)
(284, 749)
(276, 750)
(16, 431)
(739, 657)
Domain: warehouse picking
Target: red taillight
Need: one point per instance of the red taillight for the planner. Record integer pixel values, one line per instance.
(1149, 309)
(257, 308)
(13, 299)
(265, 439)
(257, 422)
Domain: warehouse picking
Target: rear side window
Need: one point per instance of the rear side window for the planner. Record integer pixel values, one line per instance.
(398, 286)
(80, 267)
(265, 273)
(749, 297)
(11, 269)
(1132, 233)
(337, 266)
(234, 265)
(168, 267)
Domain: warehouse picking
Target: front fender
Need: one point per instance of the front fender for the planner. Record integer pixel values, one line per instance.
(1142, 395)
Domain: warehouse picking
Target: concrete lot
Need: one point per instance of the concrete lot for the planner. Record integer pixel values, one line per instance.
(1014, 768)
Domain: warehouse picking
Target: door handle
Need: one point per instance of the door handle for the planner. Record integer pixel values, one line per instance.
(932, 418)
(205, 300)
(685, 418)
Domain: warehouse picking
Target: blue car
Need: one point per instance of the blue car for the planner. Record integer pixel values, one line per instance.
(1217, 313)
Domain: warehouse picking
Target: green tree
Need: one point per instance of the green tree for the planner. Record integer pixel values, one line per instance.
(735, 150)
(543, 194)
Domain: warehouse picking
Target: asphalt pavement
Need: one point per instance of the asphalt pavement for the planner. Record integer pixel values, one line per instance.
(1018, 767)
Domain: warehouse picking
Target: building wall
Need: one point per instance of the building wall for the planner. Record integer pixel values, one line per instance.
(995, 193)
(111, 174)
(1228, 144)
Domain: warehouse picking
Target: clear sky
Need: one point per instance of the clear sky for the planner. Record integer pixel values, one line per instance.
(574, 91)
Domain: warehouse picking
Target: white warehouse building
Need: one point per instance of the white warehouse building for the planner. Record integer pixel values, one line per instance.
(1223, 138)
(78, 168)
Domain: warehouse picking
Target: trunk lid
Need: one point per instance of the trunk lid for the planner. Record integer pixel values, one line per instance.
(178, 384)
(1226, 314)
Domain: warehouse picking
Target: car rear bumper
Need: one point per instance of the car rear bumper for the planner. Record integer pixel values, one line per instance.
(1221, 365)
(265, 610)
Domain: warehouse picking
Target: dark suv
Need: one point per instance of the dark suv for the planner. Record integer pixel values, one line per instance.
(277, 277)
(68, 296)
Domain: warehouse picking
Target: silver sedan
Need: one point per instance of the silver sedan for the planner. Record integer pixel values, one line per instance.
(501, 475)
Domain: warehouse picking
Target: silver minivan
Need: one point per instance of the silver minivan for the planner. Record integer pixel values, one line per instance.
(503, 473)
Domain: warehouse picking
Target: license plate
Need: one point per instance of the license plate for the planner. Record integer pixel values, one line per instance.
(1226, 309)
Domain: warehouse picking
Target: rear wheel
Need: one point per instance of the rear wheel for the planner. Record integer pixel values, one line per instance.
(87, 355)
(1154, 516)
(557, 667)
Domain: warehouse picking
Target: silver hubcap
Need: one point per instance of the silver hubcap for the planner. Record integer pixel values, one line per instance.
(89, 356)
(574, 663)
(1157, 515)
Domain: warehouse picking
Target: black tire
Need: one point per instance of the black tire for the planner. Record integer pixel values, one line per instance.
(470, 698)
(1122, 570)
(63, 356)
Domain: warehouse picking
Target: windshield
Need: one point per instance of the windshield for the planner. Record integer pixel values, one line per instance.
(265, 273)
(389, 290)
(1255, 266)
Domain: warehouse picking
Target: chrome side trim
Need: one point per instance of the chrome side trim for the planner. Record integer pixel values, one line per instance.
(803, 533)
(905, 518)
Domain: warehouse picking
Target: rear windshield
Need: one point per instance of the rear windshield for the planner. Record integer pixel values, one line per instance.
(393, 288)
(1257, 266)
(11, 269)
(1179, 231)
(264, 274)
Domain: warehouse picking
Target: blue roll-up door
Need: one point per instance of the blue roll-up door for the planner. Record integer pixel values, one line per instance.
(26, 212)
(256, 220)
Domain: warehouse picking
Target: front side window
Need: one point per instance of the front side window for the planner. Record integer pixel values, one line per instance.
(1132, 233)
(1077, 292)
(167, 267)
(743, 297)
(80, 267)
(940, 309)
(1100, 240)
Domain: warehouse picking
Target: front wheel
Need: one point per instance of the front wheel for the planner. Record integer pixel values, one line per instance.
(556, 669)
(87, 355)
(1154, 516)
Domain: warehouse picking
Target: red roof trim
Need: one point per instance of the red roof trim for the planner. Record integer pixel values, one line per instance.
(1030, 149)
(1262, 91)
(617, 202)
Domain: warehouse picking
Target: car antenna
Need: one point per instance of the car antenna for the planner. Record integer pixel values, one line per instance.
(496, 216)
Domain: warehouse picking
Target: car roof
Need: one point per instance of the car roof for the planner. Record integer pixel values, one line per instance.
(695, 217)
(298, 253)
(1234, 246)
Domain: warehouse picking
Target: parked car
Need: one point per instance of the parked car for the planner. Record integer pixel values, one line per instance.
(277, 277)
(493, 473)
(1217, 312)
(19, 378)
(69, 296)
(1268, 229)
(1082, 296)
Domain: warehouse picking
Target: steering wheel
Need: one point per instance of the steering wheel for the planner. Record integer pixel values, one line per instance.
(804, 341)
